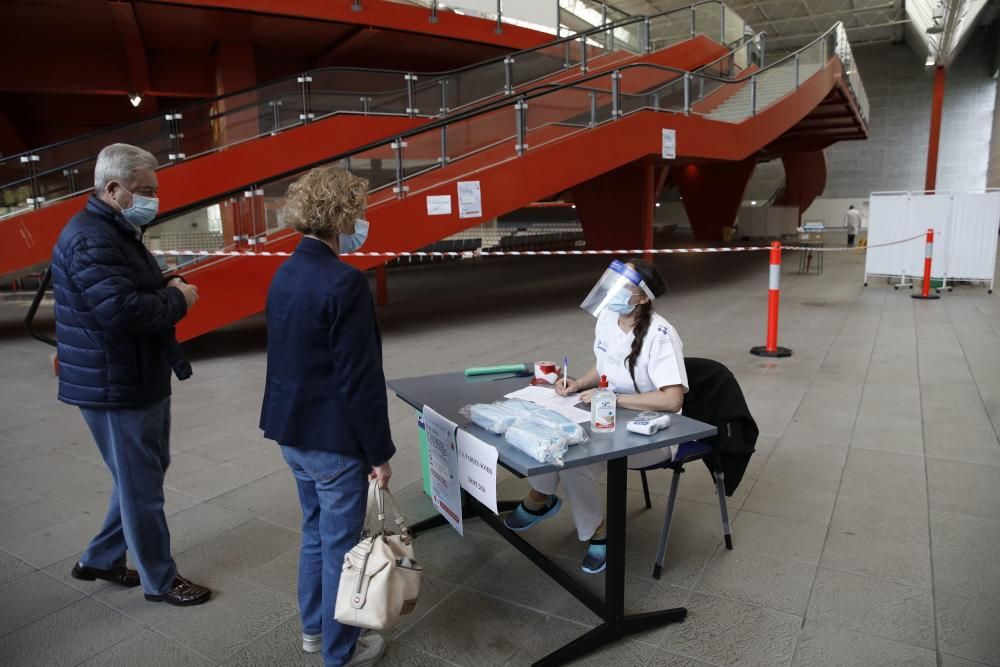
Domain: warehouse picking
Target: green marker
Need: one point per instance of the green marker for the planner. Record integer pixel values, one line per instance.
(490, 370)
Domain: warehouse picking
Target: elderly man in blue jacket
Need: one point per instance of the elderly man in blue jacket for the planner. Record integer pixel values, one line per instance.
(115, 318)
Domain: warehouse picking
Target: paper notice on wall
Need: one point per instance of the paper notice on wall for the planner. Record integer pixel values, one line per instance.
(442, 452)
(439, 205)
(470, 200)
(477, 469)
(669, 144)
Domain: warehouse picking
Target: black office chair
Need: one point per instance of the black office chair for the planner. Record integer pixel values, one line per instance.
(686, 453)
(715, 397)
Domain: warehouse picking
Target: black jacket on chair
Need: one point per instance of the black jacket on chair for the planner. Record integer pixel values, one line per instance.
(715, 397)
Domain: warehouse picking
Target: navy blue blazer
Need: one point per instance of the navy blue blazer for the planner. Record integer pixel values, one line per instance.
(325, 387)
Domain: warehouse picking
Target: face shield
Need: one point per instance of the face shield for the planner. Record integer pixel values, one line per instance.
(617, 283)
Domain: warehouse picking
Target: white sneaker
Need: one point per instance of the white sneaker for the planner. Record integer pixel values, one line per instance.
(368, 651)
(312, 643)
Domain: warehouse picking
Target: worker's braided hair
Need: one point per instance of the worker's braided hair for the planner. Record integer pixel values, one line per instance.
(644, 312)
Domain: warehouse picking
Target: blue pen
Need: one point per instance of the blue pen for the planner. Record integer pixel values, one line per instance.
(565, 372)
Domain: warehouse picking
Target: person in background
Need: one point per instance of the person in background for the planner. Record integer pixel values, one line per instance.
(115, 317)
(642, 356)
(325, 400)
(852, 220)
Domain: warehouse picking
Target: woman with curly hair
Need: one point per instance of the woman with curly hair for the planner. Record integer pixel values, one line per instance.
(325, 400)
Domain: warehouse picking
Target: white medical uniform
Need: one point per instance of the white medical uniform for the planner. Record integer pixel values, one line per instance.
(660, 364)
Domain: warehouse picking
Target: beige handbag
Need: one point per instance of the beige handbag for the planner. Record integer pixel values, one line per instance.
(380, 580)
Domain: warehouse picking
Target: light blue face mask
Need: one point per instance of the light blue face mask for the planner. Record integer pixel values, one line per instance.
(142, 211)
(620, 303)
(353, 242)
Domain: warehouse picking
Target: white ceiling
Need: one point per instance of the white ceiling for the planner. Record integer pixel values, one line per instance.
(790, 24)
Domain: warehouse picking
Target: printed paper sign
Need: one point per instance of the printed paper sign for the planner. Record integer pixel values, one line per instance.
(669, 144)
(442, 452)
(477, 469)
(470, 200)
(439, 205)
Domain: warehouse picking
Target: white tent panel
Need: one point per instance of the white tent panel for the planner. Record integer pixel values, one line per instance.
(973, 243)
(929, 212)
(888, 217)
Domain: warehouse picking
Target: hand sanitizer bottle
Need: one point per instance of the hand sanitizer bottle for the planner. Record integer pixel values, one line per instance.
(602, 408)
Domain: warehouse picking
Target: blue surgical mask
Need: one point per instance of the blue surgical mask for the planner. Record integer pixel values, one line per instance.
(142, 211)
(620, 303)
(353, 242)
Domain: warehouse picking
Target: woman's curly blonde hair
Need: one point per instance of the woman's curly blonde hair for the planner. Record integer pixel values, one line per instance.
(326, 201)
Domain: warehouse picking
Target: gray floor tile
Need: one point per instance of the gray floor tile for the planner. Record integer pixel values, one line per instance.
(553, 633)
(493, 631)
(966, 573)
(956, 530)
(61, 571)
(280, 574)
(955, 661)
(432, 592)
(17, 524)
(31, 597)
(758, 579)
(247, 546)
(722, 632)
(149, 649)
(875, 556)
(449, 556)
(280, 646)
(241, 612)
(968, 488)
(790, 501)
(894, 520)
(69, 636)
(779, 537)
(191, 527)
(260, 496)
(821, 644)
(14, 495)
(885, 477)
(214, 481)
(967, 628)
(873, 606)
(12, 568)
(664, 658)
(56, 542)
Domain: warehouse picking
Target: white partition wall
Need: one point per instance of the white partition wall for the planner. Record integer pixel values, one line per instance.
(965, 228)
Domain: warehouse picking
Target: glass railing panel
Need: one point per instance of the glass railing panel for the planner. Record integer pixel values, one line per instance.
(810, 61)
(552, 116)
(708, 20)
(354, 91)
(487, 130)
(668, 96)
(423, 152)
(669, 29)
(774, 83)
(14, 197)
(480, 83)
(733, 26)
(543, 63)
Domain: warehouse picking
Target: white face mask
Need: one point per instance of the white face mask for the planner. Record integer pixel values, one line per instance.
(142, 211)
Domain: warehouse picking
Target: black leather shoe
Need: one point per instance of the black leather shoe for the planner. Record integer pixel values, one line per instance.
(120, 575)
(182, 593)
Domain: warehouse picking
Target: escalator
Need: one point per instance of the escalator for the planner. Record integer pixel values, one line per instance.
(238, 145)
(532, 145)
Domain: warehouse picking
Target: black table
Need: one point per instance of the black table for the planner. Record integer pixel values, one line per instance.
(448, 393)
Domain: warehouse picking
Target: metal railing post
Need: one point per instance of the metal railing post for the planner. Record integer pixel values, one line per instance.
(568, 61)
(763, 40)
(176, 137)
(796, 70)
(444, 145)
(275, 116)
(304, 82)
(656, 100)
(70, 175)
(520, 119)
(411, 107)
(356, 6)
(693, 26)
(399, 189)
(583, 54)
(444, 95)
(647, 35)
(616, 103)
(722, 25)
(593, 108)
(433, 18)
(499, 28)
(687, 93)
(30, 166)
(701, 87)
(366, 103)
(753, 94)
(508, 72)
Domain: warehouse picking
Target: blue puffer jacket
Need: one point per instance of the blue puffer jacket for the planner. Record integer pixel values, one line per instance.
(114, 316)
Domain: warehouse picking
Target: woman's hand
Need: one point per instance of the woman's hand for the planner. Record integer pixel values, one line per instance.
(382, 473)
(587, 395)
(572, 387)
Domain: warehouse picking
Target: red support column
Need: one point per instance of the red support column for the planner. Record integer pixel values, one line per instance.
(930, 181)
(381, 285)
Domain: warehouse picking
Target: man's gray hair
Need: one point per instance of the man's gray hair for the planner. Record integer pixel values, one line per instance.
(119, 162)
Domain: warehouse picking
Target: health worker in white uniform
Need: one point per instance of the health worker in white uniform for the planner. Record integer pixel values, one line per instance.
(642, 357)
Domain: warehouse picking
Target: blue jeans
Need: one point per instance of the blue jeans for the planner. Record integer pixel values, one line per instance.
(333, 490)
(135, 445)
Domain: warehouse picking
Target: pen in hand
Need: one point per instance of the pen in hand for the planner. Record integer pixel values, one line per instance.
(565, 372)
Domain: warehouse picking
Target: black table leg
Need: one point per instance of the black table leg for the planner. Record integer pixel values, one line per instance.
(616, 624)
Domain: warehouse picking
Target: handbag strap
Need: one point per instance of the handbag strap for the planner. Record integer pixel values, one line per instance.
(378, 500)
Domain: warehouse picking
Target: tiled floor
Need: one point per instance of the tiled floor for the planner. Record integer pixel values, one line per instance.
(867, 529)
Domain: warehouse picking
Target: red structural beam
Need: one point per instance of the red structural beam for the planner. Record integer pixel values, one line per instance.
(937, 104)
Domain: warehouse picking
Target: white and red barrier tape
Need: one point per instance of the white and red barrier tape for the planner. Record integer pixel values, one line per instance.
(470, 254)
